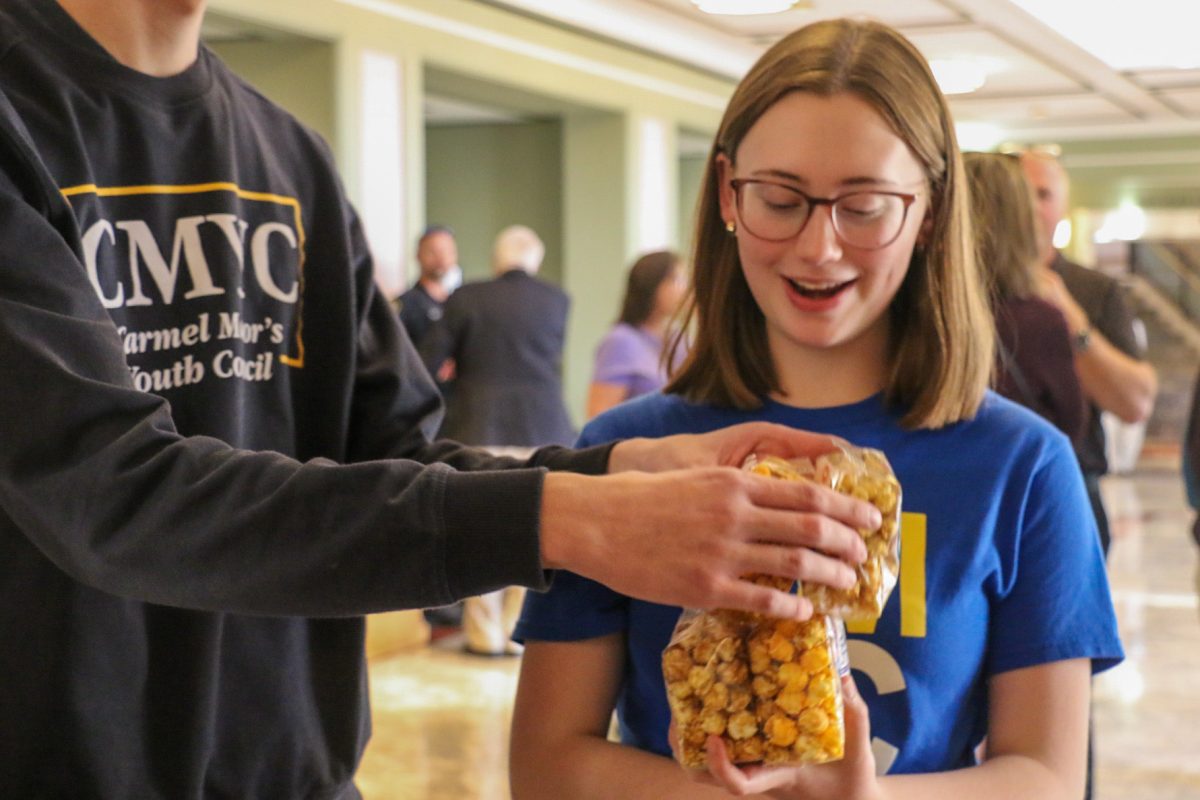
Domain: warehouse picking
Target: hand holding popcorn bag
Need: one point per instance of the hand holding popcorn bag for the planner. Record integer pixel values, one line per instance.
(771, 688)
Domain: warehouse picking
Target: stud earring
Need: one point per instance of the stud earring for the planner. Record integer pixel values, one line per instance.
(731, 226)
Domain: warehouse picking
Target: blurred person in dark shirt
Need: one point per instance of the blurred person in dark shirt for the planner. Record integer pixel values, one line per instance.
(1034, 362)
(505, 337)
(1108, 356)
(421, 306)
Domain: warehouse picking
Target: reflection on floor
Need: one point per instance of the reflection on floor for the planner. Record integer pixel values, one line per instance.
(1147, 711)
(441, 722)
(441, 717)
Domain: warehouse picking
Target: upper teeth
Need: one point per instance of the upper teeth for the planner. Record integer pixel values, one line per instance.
(816, 287)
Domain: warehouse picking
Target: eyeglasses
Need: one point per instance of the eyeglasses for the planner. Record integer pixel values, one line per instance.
(868, 220)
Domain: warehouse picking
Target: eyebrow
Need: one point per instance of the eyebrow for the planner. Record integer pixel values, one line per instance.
(858, 180)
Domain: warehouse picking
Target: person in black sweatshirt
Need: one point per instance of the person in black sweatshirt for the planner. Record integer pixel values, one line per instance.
(215, 441)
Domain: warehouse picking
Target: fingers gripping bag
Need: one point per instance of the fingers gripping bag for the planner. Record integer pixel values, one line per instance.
(867, 475)
(771, 688)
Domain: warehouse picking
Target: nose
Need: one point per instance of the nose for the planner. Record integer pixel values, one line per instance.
(818, 243)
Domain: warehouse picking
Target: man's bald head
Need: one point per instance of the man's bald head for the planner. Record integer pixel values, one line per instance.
(1050, 187)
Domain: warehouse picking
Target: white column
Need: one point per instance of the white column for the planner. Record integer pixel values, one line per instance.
(652, 184)
(381, 165)
(596, 239)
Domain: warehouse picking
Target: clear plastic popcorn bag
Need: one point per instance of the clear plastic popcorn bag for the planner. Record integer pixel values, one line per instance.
(867, 475)
(771, 688)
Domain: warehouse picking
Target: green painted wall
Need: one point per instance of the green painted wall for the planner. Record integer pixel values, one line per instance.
(482, 178)
(595, 201)
(691, 174)
(1152, 172)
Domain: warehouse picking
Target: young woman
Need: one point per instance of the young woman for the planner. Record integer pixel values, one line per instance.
(835, 290)
(629, 360)
(1035, 365)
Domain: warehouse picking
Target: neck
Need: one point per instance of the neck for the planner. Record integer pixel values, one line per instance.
(812, 377)
(434, 289)
(155, 37)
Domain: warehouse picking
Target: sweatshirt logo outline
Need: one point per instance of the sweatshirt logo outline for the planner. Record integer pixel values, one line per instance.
(292, 203)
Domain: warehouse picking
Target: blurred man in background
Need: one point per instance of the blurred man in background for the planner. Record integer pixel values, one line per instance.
(1108, 356)
(506, 337)
(421, 306)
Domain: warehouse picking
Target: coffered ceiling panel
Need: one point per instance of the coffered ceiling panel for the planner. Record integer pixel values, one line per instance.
(1079, 109)
(1037, 82)
(1186, 100)
(910, 13)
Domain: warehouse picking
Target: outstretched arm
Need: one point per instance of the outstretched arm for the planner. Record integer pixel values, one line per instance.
(687, 537)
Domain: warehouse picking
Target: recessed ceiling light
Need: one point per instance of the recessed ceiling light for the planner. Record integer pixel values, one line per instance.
(963, 75)
(745, 7)
(981, 136)
(958, 76)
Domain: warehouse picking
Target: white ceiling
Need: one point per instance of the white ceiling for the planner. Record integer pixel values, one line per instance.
(1042, 87)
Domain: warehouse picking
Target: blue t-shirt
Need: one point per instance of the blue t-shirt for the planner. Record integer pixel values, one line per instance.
(1000, 569)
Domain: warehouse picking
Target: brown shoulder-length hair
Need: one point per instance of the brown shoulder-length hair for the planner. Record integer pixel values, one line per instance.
(941, 327)
(641, 288)
(1007, 235)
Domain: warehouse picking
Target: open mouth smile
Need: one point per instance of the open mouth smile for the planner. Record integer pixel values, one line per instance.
(819, 291)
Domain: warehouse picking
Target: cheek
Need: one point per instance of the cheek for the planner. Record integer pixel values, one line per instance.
(757, 261)
(761, 271)
(894, 275)
(887, 269)
(760, 255)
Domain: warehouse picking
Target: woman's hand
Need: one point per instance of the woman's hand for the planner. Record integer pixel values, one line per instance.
(852, 778)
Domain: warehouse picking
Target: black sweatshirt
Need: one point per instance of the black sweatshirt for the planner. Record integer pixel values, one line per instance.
(205, 404)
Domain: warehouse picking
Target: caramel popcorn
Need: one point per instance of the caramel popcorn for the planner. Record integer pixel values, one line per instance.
(770, 688)
(865, 474)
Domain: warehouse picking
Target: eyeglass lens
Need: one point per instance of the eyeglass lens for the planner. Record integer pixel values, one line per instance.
(860, 219)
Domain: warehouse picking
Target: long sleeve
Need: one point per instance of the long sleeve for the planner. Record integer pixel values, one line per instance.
(94, 473)
(214, 439)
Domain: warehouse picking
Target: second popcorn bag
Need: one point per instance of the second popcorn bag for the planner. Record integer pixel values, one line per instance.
(771, 688)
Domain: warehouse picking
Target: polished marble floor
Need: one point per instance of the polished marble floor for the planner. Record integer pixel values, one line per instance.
(441, 717)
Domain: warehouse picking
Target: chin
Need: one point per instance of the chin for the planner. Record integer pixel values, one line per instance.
(817, 340)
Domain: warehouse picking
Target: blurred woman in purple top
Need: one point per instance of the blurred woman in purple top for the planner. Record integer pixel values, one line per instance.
(629, 360)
